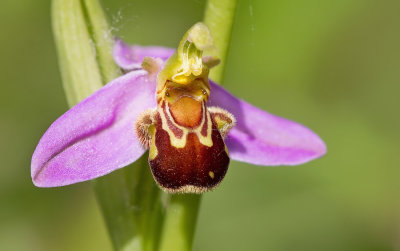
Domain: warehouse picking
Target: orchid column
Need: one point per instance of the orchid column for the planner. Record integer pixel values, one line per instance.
(181, 216)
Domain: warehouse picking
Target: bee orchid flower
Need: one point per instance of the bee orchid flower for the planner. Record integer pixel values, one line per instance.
(166, 103)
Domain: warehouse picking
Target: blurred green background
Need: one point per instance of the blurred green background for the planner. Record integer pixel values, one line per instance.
(331, 65)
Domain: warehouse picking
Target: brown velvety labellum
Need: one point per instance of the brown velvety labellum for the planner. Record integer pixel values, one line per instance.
(194, 168)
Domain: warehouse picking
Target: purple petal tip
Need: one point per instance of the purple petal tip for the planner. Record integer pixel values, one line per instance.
(96, 136)
(262, 138)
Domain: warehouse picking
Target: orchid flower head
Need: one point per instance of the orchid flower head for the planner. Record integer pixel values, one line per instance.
(166, 104)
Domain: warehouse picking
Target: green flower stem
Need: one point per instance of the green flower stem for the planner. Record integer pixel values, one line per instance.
(181, 214)
(219, 16)
(77, 60)
(129, 199)
(103, 40)
(180, 222)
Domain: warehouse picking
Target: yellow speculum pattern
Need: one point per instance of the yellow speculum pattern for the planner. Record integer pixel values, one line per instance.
(196, 90)
(153, 151)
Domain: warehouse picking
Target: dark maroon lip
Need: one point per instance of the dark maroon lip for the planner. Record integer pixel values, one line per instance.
(195, 165)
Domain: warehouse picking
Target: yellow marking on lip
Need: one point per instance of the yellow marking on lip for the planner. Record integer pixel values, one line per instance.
(205, 140)
(153, 151)
(199, 88)
(181, 142)
(174, 141)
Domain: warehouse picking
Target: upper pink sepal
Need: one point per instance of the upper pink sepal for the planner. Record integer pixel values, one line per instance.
(261, 138)
(130, 57)
(96, 136)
